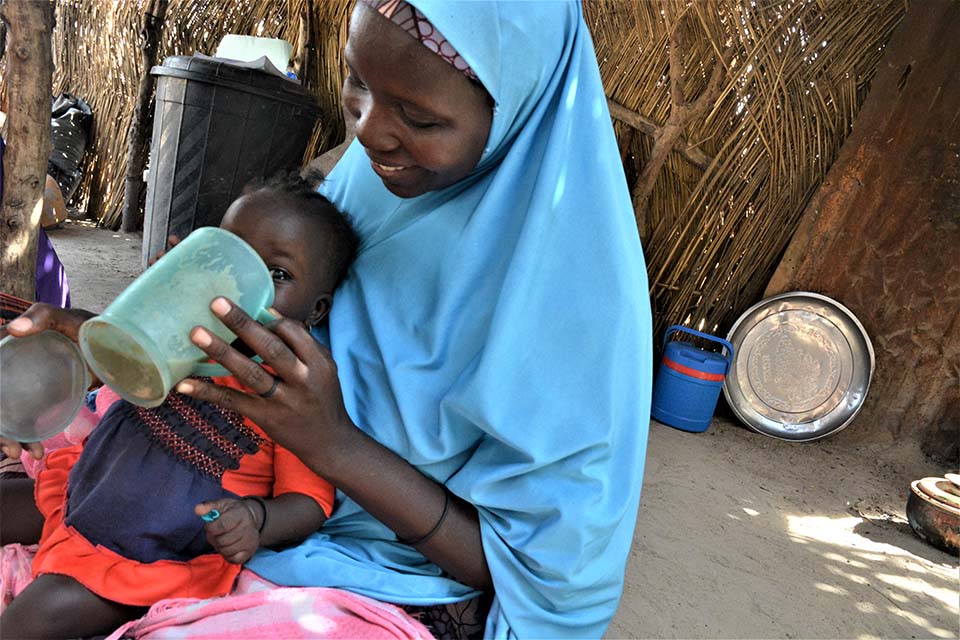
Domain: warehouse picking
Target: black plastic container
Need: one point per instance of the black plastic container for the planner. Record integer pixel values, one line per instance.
(217, 126)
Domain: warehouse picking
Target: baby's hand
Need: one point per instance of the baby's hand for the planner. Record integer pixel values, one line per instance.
(172, 241)
(12, 448)
(234, 533)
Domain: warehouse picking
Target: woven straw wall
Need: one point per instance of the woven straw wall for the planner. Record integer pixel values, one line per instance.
(793, 74)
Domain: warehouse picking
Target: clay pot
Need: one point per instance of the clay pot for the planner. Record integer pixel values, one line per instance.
(934, 520)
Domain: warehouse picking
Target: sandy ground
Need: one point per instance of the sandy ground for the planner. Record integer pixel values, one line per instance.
(100, 263)
(739, 535)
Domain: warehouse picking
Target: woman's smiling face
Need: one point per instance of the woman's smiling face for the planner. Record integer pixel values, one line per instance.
(423, 124)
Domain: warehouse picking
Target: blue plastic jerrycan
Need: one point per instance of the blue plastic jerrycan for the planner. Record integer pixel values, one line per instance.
(689, 381)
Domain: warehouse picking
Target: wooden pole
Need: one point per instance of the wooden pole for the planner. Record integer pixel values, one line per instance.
(305, 45)
(29, 77)
(670, 135)
(140, 125)
(690, 152)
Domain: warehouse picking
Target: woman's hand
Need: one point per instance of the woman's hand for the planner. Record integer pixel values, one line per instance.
(301, 407)
(13, 449)
(304, 412)
(42, 317)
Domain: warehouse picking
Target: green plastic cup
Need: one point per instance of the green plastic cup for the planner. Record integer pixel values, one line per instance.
(140, 345)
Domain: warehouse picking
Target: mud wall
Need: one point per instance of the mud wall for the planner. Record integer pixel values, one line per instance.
(883, 235)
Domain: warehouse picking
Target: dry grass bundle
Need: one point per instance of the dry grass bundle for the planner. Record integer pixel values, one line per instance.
(792, 76)
(795, 78)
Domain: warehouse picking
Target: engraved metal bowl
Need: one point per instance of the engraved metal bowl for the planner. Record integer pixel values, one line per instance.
(802, 368)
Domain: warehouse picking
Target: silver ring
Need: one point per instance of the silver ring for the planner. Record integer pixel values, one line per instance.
(272, 389)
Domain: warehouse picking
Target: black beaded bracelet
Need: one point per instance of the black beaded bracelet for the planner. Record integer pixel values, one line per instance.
(436, 527)
(263, 507)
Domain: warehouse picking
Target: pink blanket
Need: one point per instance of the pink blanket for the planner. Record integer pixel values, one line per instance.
(260, 609)
(15, 572)
(256, 609)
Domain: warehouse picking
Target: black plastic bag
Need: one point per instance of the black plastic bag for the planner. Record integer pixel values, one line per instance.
(71, 119)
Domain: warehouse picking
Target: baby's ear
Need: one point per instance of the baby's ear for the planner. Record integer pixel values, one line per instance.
(320, 310)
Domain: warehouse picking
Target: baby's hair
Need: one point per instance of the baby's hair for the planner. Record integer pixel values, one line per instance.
(345, 241)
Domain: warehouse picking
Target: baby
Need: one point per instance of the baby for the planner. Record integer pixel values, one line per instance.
(169, 502)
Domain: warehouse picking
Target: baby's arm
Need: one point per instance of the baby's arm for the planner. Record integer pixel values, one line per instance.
(244, 525)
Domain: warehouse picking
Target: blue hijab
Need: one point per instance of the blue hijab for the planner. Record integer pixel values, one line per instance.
(496, 334)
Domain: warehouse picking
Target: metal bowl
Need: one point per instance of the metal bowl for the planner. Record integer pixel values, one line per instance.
(44, 381)
(802, 367)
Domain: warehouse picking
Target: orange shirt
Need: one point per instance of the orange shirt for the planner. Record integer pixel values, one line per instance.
(270, 472)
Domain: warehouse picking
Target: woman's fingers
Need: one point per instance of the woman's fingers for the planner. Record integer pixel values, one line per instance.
(304, 346)
(35, 449)
(10, 448)
(263, 341)
(246, 370)
(13, 449)
(41, 317)
(224, 397)
(286, 346)
(300, 405)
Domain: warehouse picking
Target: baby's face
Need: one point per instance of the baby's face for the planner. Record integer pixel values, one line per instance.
(287, 240)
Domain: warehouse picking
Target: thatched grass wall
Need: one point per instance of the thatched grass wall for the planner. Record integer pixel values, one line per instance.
(792, 76)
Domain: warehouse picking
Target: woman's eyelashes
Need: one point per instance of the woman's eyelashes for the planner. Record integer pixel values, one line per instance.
(279, 274)
(418, 123)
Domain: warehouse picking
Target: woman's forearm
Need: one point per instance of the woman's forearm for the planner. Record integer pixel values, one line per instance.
(411, 504)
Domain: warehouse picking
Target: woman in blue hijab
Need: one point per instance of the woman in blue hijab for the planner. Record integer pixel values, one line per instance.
(485, 420)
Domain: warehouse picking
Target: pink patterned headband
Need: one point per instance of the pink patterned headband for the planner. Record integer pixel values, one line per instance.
(410, 19)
